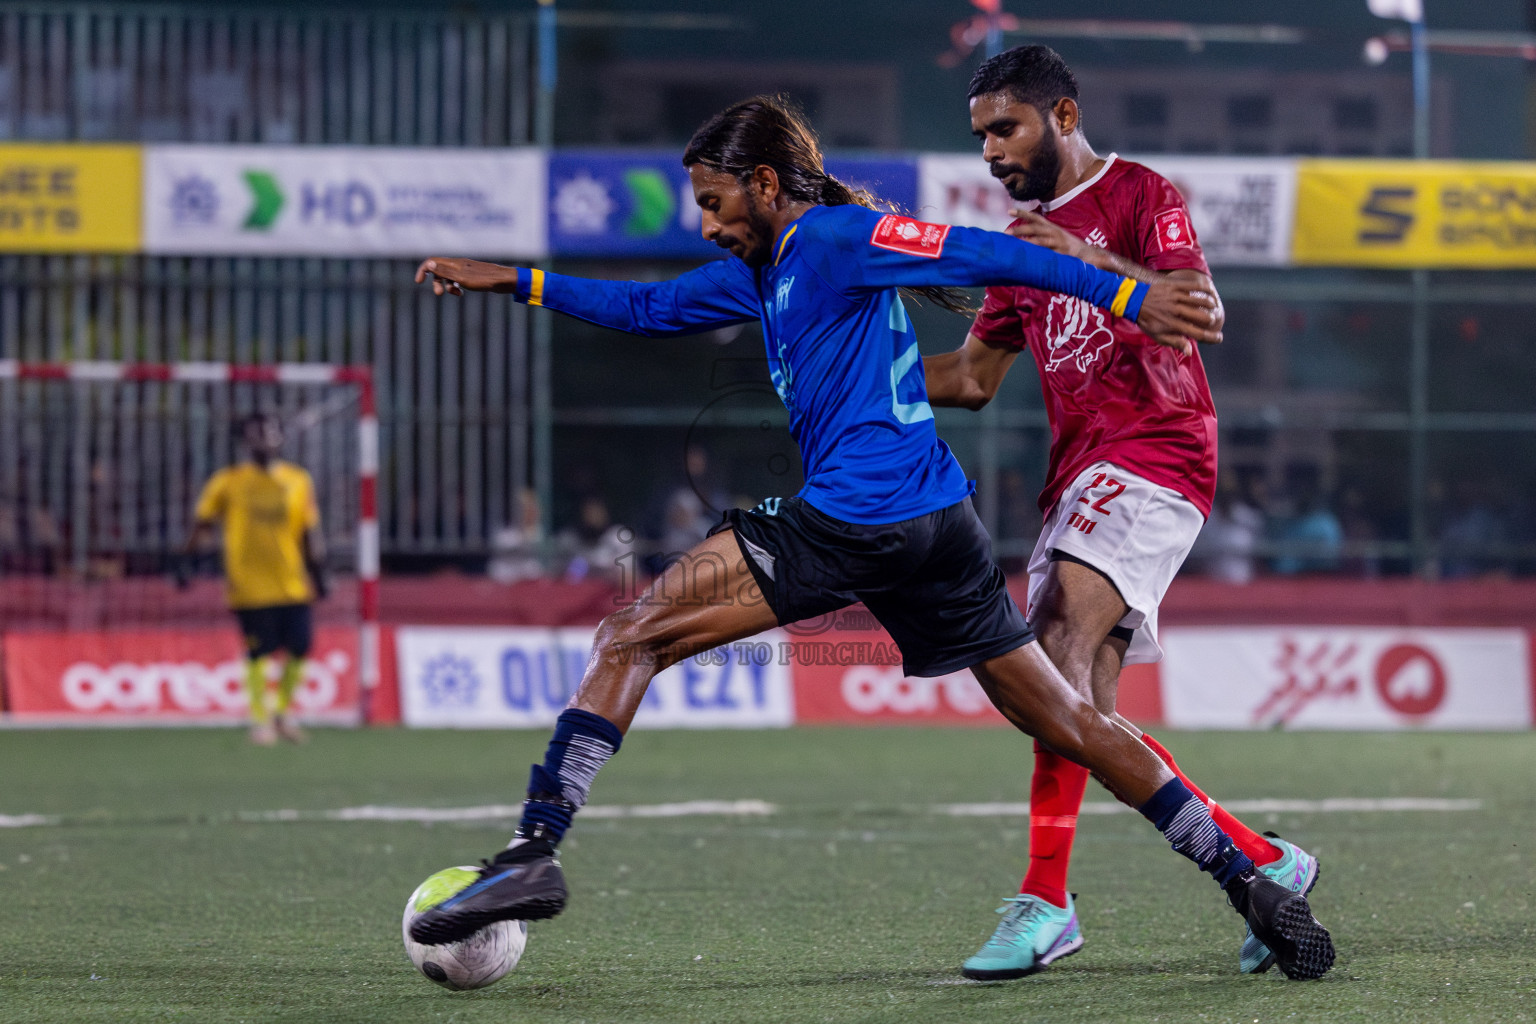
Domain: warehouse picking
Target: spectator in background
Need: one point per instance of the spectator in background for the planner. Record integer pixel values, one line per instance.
(517, 549)
(1360, 532)
(1227, 546)
(1310, 538)
(1475, 530)
(689, 510)
(596, 547)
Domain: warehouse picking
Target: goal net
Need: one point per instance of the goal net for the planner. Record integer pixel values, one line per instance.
(101, 465)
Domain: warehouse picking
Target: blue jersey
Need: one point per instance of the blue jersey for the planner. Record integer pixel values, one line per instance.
(841, 349)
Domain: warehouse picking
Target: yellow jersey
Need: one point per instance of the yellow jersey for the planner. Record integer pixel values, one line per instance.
(264, 513)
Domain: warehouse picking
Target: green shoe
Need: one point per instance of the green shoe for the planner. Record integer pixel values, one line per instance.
(1296, 870)
(1032, 934)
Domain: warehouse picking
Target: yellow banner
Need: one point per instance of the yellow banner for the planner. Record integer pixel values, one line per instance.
(69, 198)
(1404, 213)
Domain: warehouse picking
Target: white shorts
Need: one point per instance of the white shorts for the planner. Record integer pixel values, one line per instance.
(1130, 529)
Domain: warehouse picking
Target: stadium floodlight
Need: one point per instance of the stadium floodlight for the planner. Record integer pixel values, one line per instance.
(1402, 10)
(100, 463)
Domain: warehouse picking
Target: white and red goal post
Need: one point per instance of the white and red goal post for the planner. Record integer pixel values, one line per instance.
(100, 465)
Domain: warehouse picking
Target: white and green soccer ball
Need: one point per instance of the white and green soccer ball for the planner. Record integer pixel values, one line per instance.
(474, 962)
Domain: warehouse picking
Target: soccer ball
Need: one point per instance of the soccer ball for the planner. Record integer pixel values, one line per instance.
(474, 962)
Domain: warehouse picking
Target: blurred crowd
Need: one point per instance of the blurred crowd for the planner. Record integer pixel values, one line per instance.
(1285, 524)
(1476, 527)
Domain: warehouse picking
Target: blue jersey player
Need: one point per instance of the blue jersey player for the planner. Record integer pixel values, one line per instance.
(885, 515)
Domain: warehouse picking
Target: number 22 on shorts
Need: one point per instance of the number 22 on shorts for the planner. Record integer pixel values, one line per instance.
(1114, 487)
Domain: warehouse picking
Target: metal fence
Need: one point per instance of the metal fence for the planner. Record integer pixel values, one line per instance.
(452, 378)
(476, 404)
(452, 390)
(88, 72)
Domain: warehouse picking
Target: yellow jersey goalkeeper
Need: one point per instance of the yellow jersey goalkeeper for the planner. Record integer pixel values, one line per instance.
(273, 566)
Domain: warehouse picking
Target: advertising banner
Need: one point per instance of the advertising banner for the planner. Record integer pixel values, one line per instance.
(344, 201)
(164, 677)
(1242, 208)
(509, 677)
(853, 677)
(640, 204)
(1346, 678)
(1403, 213)
(69, 198)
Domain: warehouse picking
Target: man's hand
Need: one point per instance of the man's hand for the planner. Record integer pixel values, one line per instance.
(454, 276)
(1032, 227)
(1175, 313)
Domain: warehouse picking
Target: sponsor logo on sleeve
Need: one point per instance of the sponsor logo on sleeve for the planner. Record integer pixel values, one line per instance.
(1173, 231)
(913, 237)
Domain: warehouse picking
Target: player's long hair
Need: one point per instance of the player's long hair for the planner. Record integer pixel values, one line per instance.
(771, 131)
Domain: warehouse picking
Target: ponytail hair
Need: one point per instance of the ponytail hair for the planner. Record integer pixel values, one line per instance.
(771, 131)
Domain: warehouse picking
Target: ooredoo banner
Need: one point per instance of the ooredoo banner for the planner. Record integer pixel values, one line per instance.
(1346, 678)
(344, 201)
(855, 677)
(505, 677)
(1242, 208)
(163, 676)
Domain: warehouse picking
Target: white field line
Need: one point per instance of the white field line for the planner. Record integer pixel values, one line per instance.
(26, 820)
(489, 812)
(1333, 805)
(761, 808)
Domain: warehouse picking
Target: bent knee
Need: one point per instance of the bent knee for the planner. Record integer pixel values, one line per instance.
(1067, 729)
(633, 633)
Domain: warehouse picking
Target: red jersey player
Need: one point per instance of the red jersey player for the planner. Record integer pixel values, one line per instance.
(1132, 465)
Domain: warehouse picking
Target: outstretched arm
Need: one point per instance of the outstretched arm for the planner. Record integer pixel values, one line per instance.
(714, 295)
(1031, 227)
(969, 376)
(873, 251)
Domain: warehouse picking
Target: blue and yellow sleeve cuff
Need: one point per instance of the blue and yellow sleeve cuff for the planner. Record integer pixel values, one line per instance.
(1129, 297)
(530, 286)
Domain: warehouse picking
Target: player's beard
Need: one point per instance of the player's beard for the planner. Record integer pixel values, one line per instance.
(1038, 180)
(757, 253)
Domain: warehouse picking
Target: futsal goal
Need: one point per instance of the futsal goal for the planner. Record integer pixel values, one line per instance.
(101, 464)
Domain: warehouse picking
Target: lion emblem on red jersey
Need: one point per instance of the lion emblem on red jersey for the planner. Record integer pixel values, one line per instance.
(1075, 332)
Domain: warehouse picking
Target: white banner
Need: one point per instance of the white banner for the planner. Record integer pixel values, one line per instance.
(1242, 208)
(345, 201)
(1346, 678)
(484, 677)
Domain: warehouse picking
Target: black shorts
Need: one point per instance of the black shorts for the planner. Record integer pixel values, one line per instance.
(930, 581)
(278, 627)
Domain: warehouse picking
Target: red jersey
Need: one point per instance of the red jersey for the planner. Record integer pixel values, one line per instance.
(1111, 392)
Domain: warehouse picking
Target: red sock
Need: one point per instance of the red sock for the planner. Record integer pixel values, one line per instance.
(1254, 846)
(1055, 794)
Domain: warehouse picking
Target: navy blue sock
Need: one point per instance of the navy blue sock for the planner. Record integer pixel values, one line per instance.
(1187, 825)
(557, 789)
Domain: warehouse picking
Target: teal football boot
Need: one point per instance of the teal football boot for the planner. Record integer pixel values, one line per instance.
(1032, 934)
(1296, 870)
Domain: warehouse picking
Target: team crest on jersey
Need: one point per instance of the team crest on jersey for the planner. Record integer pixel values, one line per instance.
(1076, 334)
(1173, 231)
(913, 237)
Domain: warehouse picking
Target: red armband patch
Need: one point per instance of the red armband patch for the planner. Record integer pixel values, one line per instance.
(913, 237)
(1173, 231)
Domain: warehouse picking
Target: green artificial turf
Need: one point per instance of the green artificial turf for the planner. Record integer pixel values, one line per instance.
(157, 897)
